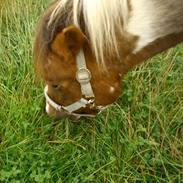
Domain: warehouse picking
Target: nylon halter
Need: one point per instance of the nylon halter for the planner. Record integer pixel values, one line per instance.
(83, 76)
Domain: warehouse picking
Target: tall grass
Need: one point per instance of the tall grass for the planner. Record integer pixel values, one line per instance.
(139, 139)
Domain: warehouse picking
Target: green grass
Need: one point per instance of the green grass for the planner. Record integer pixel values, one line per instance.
(139, 139)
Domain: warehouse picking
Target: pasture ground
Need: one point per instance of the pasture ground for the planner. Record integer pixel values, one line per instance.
(139, 139)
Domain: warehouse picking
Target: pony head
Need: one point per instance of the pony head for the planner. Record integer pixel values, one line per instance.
(75, 84)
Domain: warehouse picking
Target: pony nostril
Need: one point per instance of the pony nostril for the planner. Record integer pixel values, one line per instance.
(64, 97)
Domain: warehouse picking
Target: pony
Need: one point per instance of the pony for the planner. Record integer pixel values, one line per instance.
(84, 48)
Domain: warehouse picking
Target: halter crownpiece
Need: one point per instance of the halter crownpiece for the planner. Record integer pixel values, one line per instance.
(83, 76)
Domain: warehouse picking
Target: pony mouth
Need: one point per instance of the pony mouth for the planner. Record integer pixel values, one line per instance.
(58, 115)
(75, 117)
(55, 114)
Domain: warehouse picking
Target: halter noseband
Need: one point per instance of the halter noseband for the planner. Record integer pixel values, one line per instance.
(83, 76)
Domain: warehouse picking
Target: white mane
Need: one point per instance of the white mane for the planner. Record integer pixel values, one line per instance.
(105, 20)
(101, 18)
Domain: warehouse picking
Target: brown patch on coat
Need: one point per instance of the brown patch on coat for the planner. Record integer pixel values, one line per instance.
(150, 50)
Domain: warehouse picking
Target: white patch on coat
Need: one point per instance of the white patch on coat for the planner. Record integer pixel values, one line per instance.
(112, 89)
(154, 19)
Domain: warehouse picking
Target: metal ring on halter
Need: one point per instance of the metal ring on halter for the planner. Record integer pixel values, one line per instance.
(83, 76)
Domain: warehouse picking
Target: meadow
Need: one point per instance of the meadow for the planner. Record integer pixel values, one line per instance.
(138, 139)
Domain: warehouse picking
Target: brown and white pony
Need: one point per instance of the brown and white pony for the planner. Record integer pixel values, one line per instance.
(83, 48)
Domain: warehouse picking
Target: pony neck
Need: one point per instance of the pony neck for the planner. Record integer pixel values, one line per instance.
(150, 50)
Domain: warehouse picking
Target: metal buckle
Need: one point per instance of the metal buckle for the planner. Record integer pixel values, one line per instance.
(91, 103)
(83, 76)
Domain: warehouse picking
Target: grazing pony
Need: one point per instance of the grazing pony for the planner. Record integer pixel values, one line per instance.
(83, 48)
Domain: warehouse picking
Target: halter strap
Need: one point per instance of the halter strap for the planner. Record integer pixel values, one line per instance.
(83, 76)
(70, 108)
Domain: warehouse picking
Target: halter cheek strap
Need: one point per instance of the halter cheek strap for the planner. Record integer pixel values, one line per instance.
(83, 76)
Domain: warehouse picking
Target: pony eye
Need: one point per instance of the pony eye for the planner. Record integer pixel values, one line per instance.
(55, 87)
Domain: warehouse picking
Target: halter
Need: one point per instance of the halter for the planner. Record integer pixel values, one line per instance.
(83, 76)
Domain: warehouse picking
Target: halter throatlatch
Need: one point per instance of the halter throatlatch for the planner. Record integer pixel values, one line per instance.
(83, 76)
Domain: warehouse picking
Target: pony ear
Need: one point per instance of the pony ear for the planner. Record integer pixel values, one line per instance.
(74, 38)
